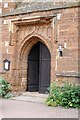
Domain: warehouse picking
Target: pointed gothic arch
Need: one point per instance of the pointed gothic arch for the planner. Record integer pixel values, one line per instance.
(24, 51)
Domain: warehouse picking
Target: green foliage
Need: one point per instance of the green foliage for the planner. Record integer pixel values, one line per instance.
(4, 88)
(66, 96)
(8, 95)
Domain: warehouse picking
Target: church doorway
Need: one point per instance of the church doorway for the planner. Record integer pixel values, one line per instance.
(39, 65)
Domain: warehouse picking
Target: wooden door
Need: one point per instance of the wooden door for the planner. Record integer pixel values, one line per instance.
(39, 68)
(44, 68)
(33, 69)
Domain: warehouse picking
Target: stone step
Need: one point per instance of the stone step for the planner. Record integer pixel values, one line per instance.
(35, 94)
(32, 97)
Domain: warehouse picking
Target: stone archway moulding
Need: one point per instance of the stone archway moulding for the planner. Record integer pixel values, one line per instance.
(16, 23)
(24, 50)
(22, 45)
(25, 44)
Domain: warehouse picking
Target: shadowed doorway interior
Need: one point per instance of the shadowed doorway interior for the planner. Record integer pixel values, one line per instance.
(39, 61)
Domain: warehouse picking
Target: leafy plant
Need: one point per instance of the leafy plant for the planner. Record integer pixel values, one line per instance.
(66, 96)
(5, 88)
(8, 95)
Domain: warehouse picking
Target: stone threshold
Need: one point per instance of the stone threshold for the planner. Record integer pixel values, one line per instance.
(32, 97)
(35, 94)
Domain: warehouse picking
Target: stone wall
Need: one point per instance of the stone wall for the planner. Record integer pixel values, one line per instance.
(53, 28)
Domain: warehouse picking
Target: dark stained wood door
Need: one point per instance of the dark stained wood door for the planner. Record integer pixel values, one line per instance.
(44, 68)
(33, 69)
(39, 68)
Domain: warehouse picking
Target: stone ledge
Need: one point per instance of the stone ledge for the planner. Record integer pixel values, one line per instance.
(68, 74)
(47, 7)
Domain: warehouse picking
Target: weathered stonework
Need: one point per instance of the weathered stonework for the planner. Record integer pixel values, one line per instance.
(52, 27)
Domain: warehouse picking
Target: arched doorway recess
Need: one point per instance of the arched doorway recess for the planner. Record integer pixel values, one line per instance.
(39, 65)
